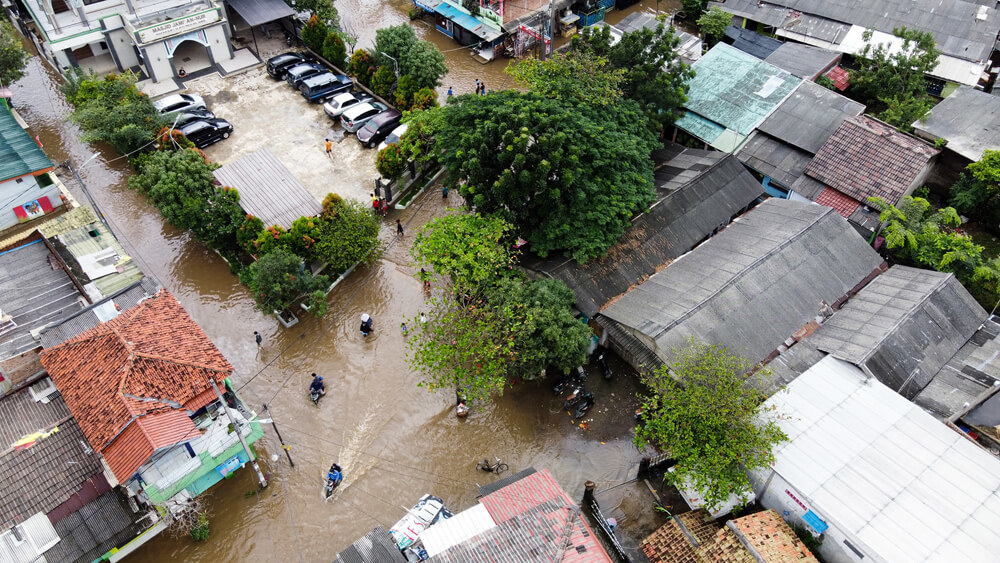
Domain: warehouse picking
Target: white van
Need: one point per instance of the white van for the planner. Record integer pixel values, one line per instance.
(394, 137)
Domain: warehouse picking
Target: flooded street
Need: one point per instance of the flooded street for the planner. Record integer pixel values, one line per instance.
(395, 441)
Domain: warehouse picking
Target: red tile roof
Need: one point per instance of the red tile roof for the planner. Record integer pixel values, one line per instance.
(865, 157)
(840, 77)
(772, 538)
(130, 382)
(536, 490)
(843, 204)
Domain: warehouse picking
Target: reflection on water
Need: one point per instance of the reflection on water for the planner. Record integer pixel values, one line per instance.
(396, 441)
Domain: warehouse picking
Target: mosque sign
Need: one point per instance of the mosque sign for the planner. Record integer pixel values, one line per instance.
(176, 26)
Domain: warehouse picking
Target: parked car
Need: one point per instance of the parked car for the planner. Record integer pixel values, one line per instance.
(277, 66)
(294, 75)
(378, 127)
(355, 117)
(339, 103)
(324, 86)
(194, 114)
(394, 136)
(207, 131)
(179, 102)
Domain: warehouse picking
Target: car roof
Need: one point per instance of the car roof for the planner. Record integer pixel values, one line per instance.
(340, 98)
(358, 109)
(195, 126)
(318, 79)
(386, 116)
(172, 99)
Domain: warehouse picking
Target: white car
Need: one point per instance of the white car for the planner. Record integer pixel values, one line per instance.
(357, 115)
(394, 136)
(341, 102)
(179, 102)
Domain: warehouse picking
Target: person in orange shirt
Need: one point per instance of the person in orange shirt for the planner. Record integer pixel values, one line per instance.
(329, 148)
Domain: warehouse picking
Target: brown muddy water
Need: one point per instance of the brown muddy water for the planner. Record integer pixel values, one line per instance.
(395, 440)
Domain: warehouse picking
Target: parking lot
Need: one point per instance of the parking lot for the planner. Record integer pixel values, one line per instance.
(270, 113)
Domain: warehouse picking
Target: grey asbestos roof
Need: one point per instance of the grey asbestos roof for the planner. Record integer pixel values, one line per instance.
(954, 24)
(90, 317)
(257, 12)
(749, 41)
(41, 477)
(753, 285)
(903, 327)
(782, 162)
(374, 547)
(971, 373)
(804, 61)
(808, 117)
(968, 119)
(268, 190)
(33, 293)
(700, 191)
(105, 523)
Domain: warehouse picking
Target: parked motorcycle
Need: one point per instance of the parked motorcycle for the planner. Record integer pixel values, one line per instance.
(560, 385)
(314, 396)
(602, 360)
(585, 404)
(288, 38)
(574, 397)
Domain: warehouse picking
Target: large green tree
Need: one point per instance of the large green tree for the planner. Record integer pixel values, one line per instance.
(577, 76)
(655, 77)
(420, 60)
(977, 191)
(111, 109)
(279, 279)
(13, 57)
(704, 413)
(891, 80)
(323, 9)
(179, 183)
(713, 25)
(550, 336)
(568, 177)
(474, 251)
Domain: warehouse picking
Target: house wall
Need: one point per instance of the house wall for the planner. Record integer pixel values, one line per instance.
(774, 492)
(24, 190)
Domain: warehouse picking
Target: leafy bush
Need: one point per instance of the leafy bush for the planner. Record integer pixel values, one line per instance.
(362, 67)
(278, 279)
(334, 49)
(421, 60)
(111, 109)
(348, 233)
(200, 531)
(383, 81)
(405, 90)
(713, 24)
(314, 34)
(425, 98)
(13, 57)
(390, 162)
(248, 233)
(179, 183)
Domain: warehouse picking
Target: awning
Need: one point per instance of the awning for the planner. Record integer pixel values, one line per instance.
(257, 12)
(429, 5)
(468, 22)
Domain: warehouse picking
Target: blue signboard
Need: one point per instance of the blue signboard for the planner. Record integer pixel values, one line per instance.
(230, 465)
(815, 521)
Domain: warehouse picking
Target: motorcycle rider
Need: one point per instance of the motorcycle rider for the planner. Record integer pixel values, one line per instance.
(335, 474)
(317, 385)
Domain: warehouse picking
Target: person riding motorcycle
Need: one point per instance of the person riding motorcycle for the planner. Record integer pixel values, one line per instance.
(317, 385)
(335, 474)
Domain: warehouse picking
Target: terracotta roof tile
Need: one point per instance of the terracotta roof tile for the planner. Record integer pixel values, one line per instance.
(866, 158)
(840, 77)
(772, 538)
(845, 205)
(151, 359)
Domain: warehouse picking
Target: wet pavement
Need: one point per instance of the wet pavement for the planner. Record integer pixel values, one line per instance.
(395, 440)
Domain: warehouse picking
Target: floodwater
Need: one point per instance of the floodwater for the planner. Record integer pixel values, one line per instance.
(395, 440)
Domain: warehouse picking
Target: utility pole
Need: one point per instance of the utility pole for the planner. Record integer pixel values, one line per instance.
(275, 426)
(236, 428)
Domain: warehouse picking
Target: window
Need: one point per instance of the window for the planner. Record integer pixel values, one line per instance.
(41, 390)
(44, 180)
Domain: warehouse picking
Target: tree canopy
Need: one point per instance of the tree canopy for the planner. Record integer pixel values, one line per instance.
(13, 57)
(420, 60)
(654, 75)
(977, 191)
(713, 24)
(577, 76)
(704, 413)
(472, 250)
(280, 278)
(113, 110)
(178, 183)
(323, 9)
(891, 81)
(569, 178)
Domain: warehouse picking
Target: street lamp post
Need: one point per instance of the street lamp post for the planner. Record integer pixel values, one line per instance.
(395, 67)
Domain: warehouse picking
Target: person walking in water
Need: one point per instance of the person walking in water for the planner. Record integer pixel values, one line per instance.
(399, 228)
(329, 148)
(367, 324)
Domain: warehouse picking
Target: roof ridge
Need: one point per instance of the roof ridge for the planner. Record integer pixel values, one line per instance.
(938, 286)
(179, 363)
(739, 275)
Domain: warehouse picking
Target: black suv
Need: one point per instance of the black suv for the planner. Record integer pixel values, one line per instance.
(277, 66)
(207, 131)
(195, 114)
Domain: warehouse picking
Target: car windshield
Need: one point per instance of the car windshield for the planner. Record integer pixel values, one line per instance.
(371, 126)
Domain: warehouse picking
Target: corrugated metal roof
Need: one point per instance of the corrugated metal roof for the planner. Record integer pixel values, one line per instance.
(80, 243)
(268, 190)
(257, 12)
(33, 294)
(19, 153)
(904, 326)
(495, 486)
(735, 91)
(968, 119)
(89, 318)
(752, 285)
(456, 529)
(809, 116)
(374, 547)
(751, 42)
(779, 161)
(99, 526)
(699, 192)
(900, 484)
(804, 61)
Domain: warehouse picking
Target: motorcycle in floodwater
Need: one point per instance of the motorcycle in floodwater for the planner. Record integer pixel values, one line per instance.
(585, 404)
(574, 397)
(334, 477)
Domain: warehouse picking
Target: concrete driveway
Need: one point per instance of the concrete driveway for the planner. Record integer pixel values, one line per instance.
(269, 113)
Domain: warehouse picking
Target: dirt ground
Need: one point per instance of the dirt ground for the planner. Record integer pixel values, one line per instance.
(268, 113)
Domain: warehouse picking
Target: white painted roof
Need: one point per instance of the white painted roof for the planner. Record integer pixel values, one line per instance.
(455, 530)
(882, 469)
